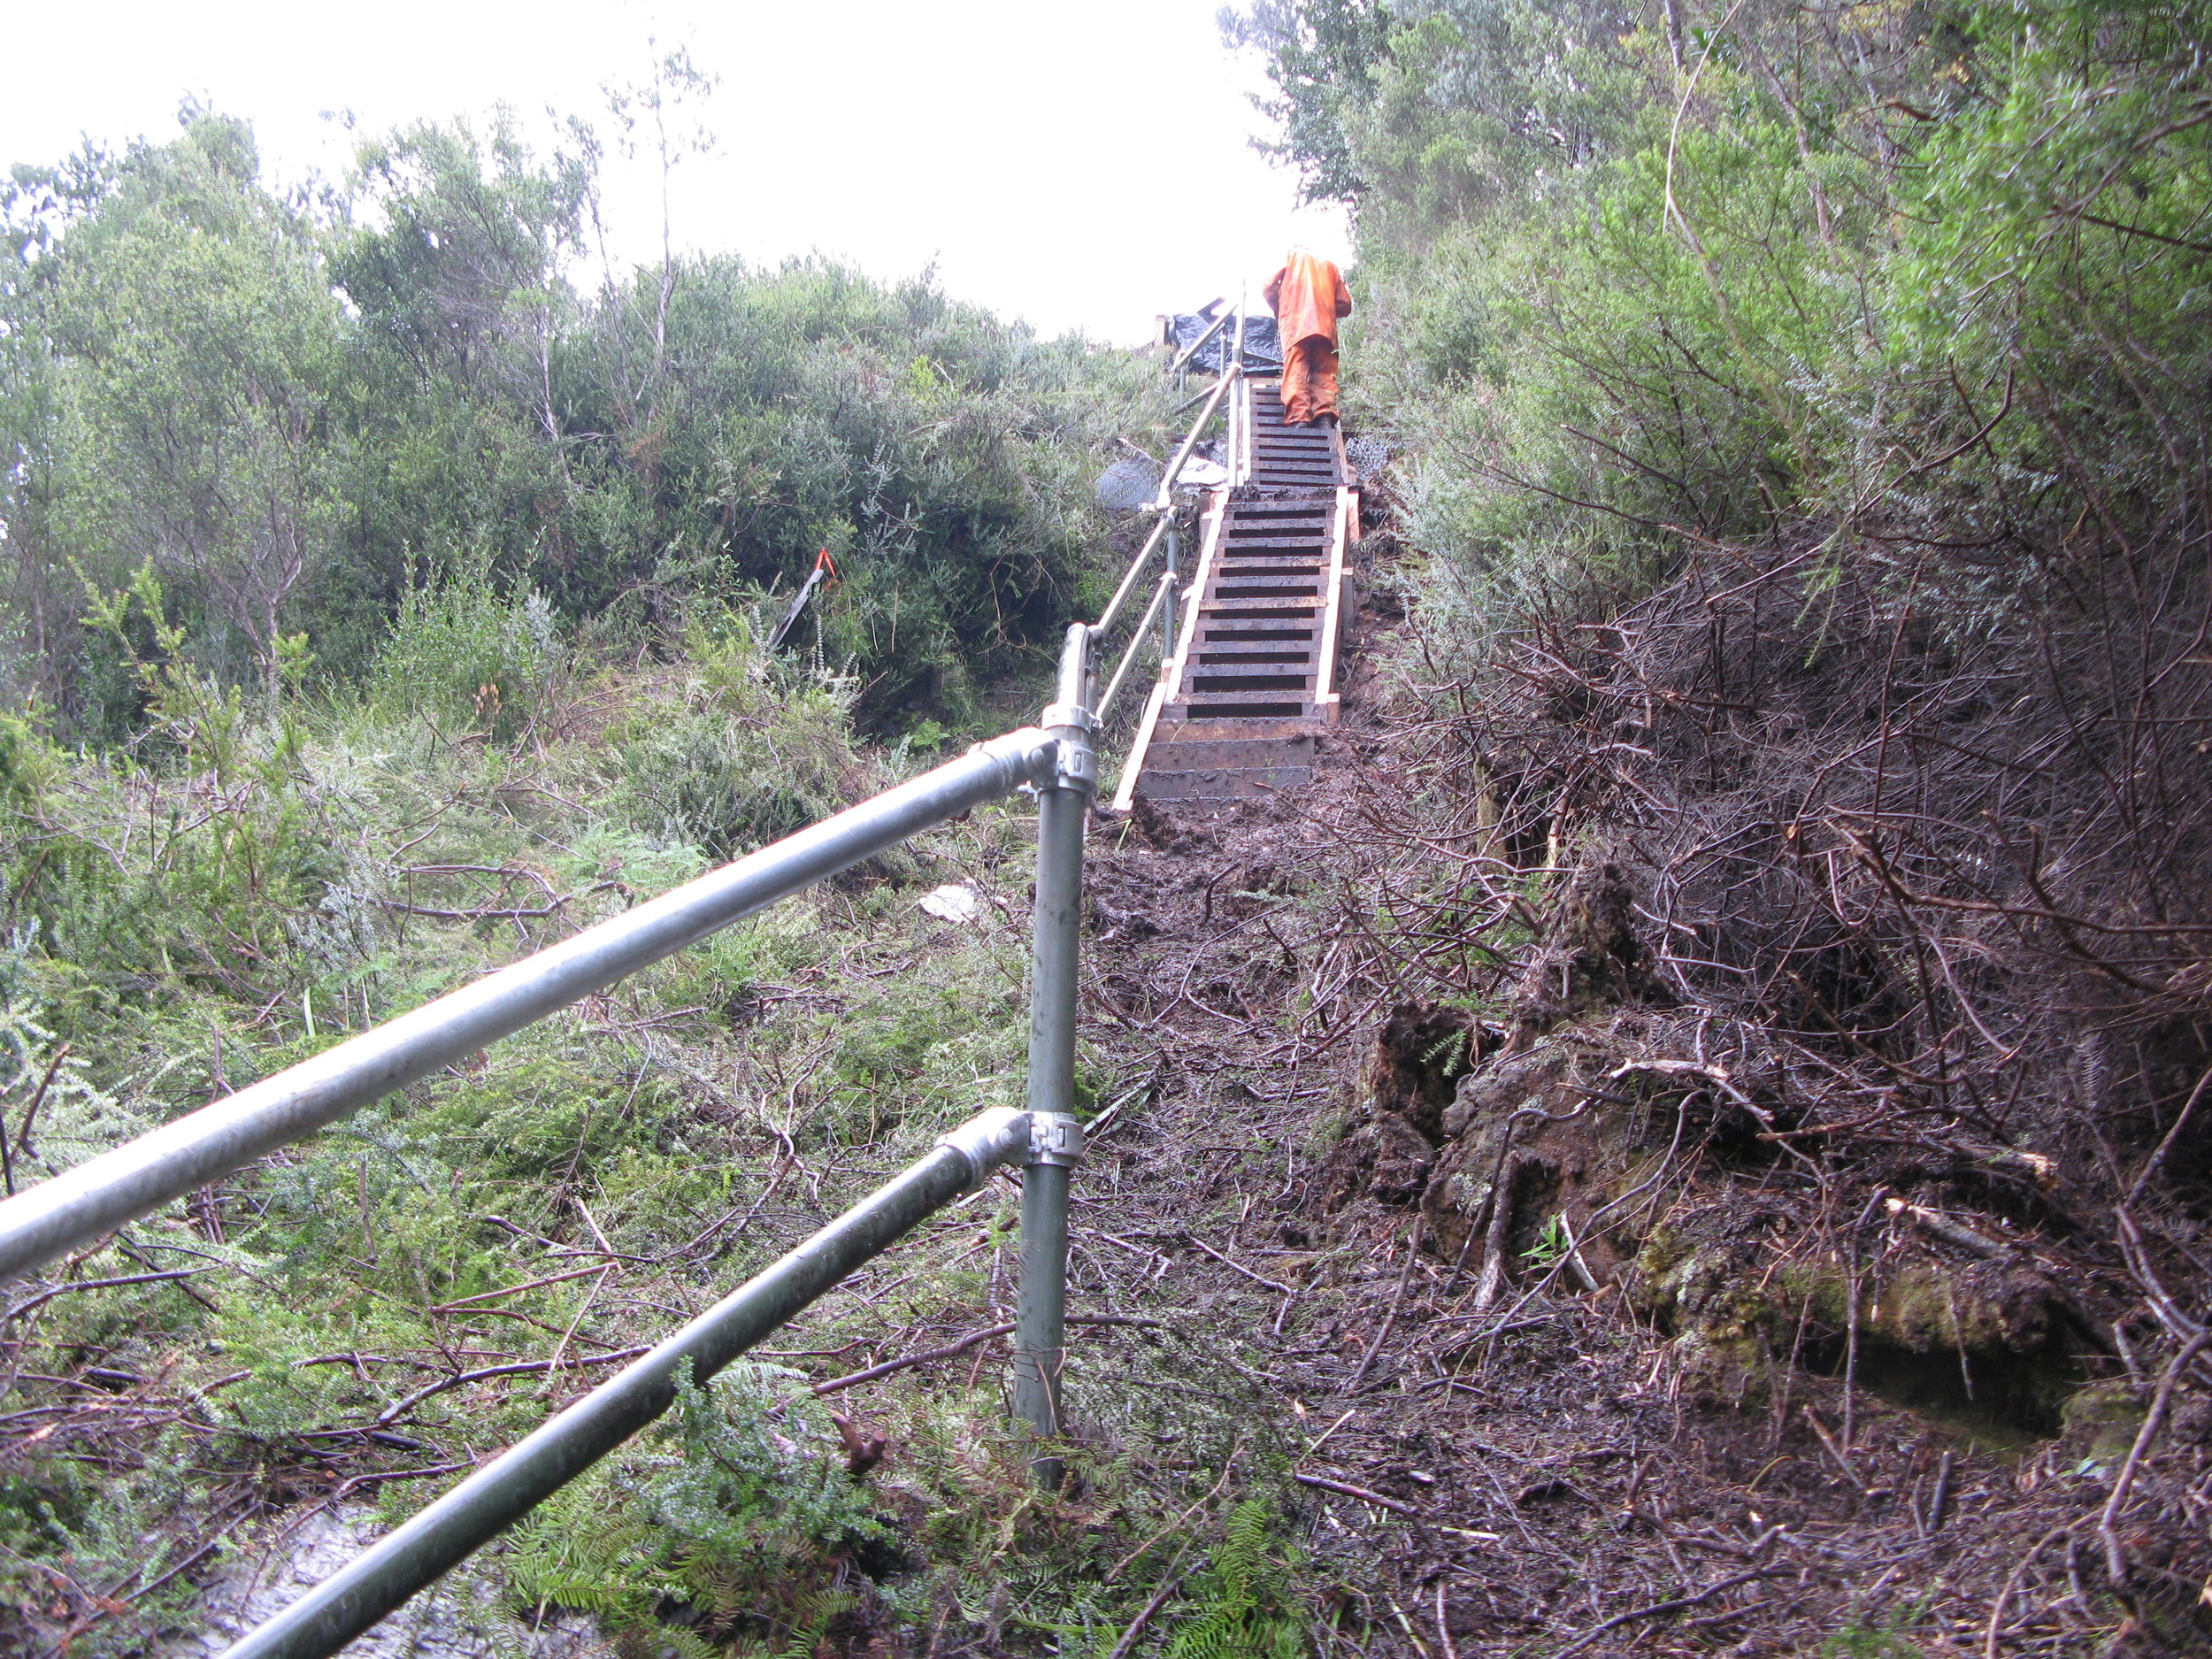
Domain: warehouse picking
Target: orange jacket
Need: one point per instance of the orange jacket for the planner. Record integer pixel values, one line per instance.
(1307, 296)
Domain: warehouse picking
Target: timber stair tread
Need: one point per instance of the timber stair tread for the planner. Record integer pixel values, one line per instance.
(1285, 452)
(1251, 698)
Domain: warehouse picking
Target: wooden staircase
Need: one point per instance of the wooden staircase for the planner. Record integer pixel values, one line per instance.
(1240, 711)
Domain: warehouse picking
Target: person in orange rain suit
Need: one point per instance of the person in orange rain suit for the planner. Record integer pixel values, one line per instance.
(1307, 296)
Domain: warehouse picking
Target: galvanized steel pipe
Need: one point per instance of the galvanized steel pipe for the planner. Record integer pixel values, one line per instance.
(80, 1204)
(441, 1537)
(1166, 499)
(1197, 345)
(1143, 630)
(1136, 566)
(1167, 619)
(1041, 1313)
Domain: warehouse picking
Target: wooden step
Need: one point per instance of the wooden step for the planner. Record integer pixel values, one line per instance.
(1234, 673)
(1273, 587)
(1293, 656)
(1247, 682)
(1251, 705)
(1219, 631)
(1277, 607)
(1223, 784)
(1259, 705)
(1180, 730)
(1199, 754)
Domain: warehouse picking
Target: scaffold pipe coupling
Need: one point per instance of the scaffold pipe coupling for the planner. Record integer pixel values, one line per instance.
(1054, 1138)
(990, 1139)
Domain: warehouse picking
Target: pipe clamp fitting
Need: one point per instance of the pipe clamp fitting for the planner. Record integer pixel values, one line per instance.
(1078, 767)
(1053, 1137)
(1029, 757)
(988, 1140)
(1063, 716)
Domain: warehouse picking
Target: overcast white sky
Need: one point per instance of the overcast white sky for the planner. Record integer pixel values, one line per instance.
(1082, 167)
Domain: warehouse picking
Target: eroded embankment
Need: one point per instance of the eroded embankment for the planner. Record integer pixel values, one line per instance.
(1597, 1307)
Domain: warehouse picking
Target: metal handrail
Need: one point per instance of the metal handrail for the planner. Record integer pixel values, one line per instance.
(1199, 344)
(1059, 761)
(1162, 505)
(102, 1194)
(1129, 577)
(1165, 501)
(439, 1538)
(1057, 758)
(1137, 637)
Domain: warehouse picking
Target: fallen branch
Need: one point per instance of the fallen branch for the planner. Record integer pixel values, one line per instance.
(855, 1378)
(1240, 1267)
(1345, 1488)
(974, 1338)
(499, 913)
(1397, 1302)
(1659, 1609)
(520, 1368)
(2155, 1419)
(1942, 1227)
(45, 1296)
(1168, 1587)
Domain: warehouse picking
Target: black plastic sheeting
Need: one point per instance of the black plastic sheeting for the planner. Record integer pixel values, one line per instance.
(1262, 349)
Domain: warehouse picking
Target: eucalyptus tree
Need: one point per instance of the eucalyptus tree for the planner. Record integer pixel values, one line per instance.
(195, 348)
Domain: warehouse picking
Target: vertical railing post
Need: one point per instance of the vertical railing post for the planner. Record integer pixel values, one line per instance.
(1055, 1138)
(1167, 611)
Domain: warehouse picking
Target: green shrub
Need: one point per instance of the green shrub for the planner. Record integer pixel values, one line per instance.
(727, 1515)
(751, 752)
(465, 654)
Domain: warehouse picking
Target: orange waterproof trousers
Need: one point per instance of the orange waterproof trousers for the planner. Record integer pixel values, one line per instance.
(1309, 381)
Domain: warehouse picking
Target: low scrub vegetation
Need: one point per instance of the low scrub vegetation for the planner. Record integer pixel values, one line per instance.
(350, 1324)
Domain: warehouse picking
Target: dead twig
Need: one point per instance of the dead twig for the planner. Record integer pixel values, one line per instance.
(1344, 1488)
(2107, 1523)
(1660, 1610)
(1397, 1302)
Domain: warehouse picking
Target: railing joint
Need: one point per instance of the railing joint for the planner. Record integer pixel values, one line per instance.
(1055, 1139)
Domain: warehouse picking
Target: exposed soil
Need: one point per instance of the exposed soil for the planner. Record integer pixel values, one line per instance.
(1572, 1347)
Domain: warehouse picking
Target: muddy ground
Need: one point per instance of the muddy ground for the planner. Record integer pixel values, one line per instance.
(1570, 1347)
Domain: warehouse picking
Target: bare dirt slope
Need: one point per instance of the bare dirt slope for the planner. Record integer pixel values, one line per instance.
(1566, 1340)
